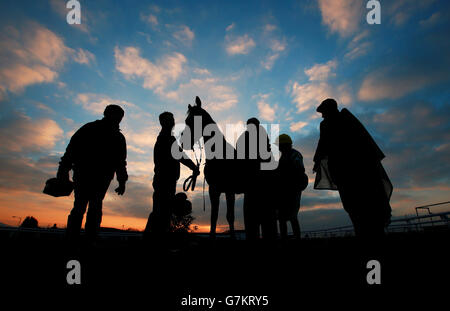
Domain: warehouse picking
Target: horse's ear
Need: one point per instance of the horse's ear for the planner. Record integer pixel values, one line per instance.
(189, 106)
(198, 101)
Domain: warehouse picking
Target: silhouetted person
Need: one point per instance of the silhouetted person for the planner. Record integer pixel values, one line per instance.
(30, 222)
(291, 181)
(259, 211)
(95, 153)
(167, 172)
(348, 159)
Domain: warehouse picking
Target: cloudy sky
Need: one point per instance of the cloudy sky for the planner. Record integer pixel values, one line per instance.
(267, 59)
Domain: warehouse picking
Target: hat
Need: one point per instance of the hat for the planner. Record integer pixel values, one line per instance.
(328, 104)
(253, 121)
(283, 139)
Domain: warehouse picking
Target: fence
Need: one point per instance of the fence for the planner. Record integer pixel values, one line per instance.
(418, 223)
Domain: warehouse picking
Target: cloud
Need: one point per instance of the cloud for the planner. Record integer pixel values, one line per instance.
(32, 55)
(270, 61)
(269, 27)
(358, 51)
(415, 141)
(20, 133)
(434, 19)
(155, 76)
(137, 201)
(44, 108)
(230, 27)
(151, 19)
(202, 71)
(309, 95)
(276, 47)
(297, 126)
(144, 138)
(401, 11)
(84, 57)
(240, 45)
(96, 103)
(395, 82)
(321, 72)
(266, 112)
(20, 173)
(59, 7)
(18, 76)
(323, 218)
(185, 35)
(342, 16)
(357, 46)
(214, 93)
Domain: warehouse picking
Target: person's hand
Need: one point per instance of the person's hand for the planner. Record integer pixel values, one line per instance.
(196, 171)
(316, 167)
(62, 175)
(121, 189)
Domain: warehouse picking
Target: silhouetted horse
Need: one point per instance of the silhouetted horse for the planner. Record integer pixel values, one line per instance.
(223, 172)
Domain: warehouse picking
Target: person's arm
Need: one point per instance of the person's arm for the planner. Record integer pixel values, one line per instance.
(67, 160)
(185, 160)
(320, 150)
(188, 162)
(121, 171)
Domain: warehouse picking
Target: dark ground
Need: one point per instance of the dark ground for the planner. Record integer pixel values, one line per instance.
(288, 273)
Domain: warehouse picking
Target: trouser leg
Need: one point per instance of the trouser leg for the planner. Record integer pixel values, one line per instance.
(250, 217)
(153, 221)
(295, 227)
(268, 222)
(159, 218)
(93, 217)
(76, 215)
(283, 229)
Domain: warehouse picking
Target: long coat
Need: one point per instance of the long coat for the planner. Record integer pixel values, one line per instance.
(350, 162)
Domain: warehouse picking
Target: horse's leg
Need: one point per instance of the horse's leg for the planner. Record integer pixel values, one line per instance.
(230, 212)
(214, 197)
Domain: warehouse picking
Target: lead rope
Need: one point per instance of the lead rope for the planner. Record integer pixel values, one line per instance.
(191, 180)
(204, 178)
(204, 204)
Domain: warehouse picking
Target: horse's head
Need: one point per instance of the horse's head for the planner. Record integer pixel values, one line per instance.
(196, 120)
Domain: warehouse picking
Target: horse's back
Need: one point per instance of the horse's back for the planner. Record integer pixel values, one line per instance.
(227, 175)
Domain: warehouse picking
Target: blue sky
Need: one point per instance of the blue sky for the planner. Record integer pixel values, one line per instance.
(266, 59)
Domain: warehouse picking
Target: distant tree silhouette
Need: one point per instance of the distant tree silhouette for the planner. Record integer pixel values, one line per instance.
(30, 222)
(181, 224)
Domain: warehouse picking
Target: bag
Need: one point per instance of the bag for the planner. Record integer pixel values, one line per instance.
(58, 188)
